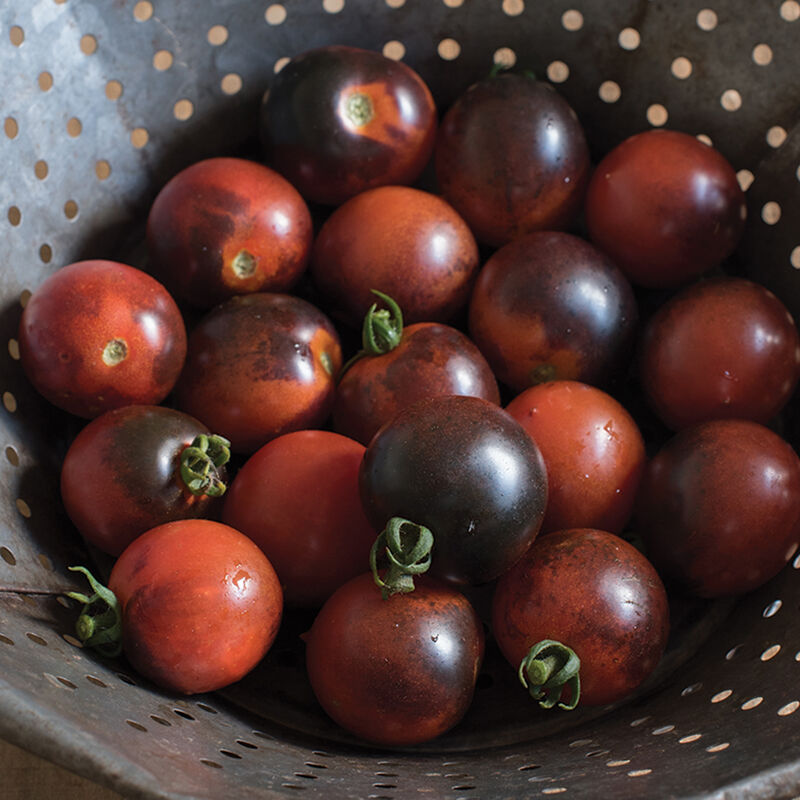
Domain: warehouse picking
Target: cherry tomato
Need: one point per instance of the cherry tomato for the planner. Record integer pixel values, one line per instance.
(666, 207)
(550, 306)
(199, 604)
(593, 593)
(511, 156)
(721, 348)
(315, 545)
(405, 242)
(260, 365)
(339, 120)
(98, 335)
(466, 469)
(395, 671)
(228, 226)
(718, 507)
(593, 451)
(133, 468)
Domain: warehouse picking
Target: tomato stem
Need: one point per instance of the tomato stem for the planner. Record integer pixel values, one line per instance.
(201, 462)
(381, 331)
(100, 622)
(547, 669)
(407, 546)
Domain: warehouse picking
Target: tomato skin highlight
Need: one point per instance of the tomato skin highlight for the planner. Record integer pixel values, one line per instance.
(399, 671)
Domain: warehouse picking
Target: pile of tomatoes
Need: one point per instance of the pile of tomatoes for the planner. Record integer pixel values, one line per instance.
(334, 389)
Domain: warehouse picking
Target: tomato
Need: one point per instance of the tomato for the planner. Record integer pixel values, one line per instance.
(260, 365)
(593, 593)
(339, 120)
(550, 306)
(199, 606)
(721, 348)
(315, 545)
(98, 335)
(227, 226)
(512, 158)
(593, 451)
(666, 207)
(395, 671)
(130, 469)
(466, 469)
(402, 241)
(718, 507)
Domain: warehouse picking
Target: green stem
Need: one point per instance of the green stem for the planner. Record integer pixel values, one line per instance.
(548, 668)
(100, 622)
(407, 547)
(201, 462)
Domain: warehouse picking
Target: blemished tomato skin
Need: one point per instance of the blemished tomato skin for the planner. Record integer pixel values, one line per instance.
(405, 242)
(340, 120)
(595, 593)
(431, 359)
(722, 348)
(260, 365)
(201, 605)
(297, 498)
(399, 671)
(593, 450)
(665, 207)
(227, 226)
(100, 334)
(718, 507)
(121, 475)
(512, 158)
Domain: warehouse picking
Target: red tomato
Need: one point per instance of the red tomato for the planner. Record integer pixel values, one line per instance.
(398, 671)
(228, 226)
(665, 207)
(512, 158)
(338, 120)
(200, 605)
(593, 451)
(122, 474)
(98, 335)
(316, 544)
(594, 593)
(260, 365)
(408, 244)
(721, 348)
(718, 507)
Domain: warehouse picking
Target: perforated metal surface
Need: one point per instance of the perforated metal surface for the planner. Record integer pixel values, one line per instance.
(101, 103)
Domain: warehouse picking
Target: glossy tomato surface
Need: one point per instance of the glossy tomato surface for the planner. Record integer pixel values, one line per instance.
(121, 475)
(201, 605)
(398, 671)
(512, 158)
(722, 348)
(260, 365)
(467, 470)
(550, 306)
(665, 207)
(404, 242)
(593, 450)
(339, 120)
(718, 507)
(98, 335)
(297, 498)
(227, 226)
(594, 593)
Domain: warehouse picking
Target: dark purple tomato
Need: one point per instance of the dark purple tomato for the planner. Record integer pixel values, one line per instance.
(718, 507)
(395, 671)
(339, 120)
(722, 348)
(666, 207)
(467, 470)
(133, 468)
(551, 306)
(511, 157)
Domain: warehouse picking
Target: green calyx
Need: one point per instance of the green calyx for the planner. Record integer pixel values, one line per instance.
(548, 668)
(407, 547)
(201, 462)
(99, 625)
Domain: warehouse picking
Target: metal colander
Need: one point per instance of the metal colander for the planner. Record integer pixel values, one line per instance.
(101, 103)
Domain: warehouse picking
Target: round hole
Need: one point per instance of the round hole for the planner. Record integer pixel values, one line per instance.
(275, 14)
(692, 737)
(139, 137)
(718, 748)
(12, 456)
(770, 652)
(609, 91)
(681, 68)
(40, 169)
(70, 209)
(143, 10)
(790, 10)
(557, 72)
(707, 19)
(731, 100)
(333, 6)
(513, 8)
(113, 90)
(137, 726)
(752, 703)
(657, 115)
(162, 60)
(183, 109)
(46, 253)
(231, 83)
(720, 696)
(6, 639)
(771, 213)
(102, 169)
(10, 127)
(74, 127)
(13, 349)
(88, 44)
(629, 39)
(14, 215)
(36, 639)
(794, 258)
(789, 708)
(97, 681)
(745, 178)
(395, 3)
(10, 402)
(572, 20)
(23, 507)
(776, 136)
(280, 64)
(217, 35)
(448, 49)
(16, 35)
(45, 562)
(8, 556)
(394, 50)
(762, 54)
(45, 81)
(702, 137)
(504, 57)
